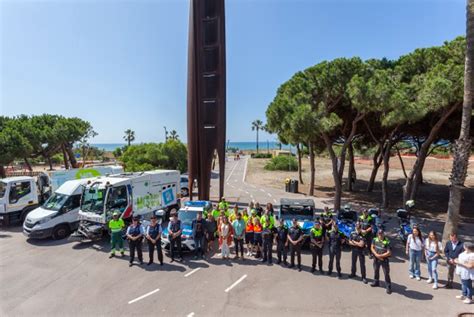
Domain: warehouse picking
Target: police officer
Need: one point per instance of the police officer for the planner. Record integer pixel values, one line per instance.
(382, 251)
(327, 218)
(295, 239)
(174, 235)
(135, 234)
(367, 222)
(335, 240)
(357, 242)
(282, 241)
(197, 227)
(268, 224)
(316, 245)
(153, 237)
(116, 226)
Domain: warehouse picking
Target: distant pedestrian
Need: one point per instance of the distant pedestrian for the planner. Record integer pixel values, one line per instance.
(357, 242)
(433, 249)
(197, 227)
(335, 240)
(225, 238)
(153, 237)
(210, 229)
(135, 234)
(414, 249)
(452, 250)
(174, 235)
(382, 251)
(465, 270)
(116, 226)
(295, 239)
(239, 233)
(282, 242)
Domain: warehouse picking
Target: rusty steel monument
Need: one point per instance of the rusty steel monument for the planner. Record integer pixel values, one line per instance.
(206, 100)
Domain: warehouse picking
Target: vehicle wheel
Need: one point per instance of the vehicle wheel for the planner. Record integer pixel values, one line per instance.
(61, 232)
(184, 192)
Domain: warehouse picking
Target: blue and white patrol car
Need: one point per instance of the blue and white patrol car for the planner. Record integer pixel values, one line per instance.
(187, 214)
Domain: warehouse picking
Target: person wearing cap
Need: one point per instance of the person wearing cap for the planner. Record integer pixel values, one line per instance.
(153, 237)
(335, 240)
(174, 234)
(316, 235)
(295, 239)
(357, 242)
(382, 251)
(282, 242)
(197, 227)
(367, 222)
(116, 226)
(135, 234)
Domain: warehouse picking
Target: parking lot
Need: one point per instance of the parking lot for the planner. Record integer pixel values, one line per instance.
(61, 278)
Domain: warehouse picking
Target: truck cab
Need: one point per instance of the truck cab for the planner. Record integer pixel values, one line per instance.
(58, 216)
(20, 195)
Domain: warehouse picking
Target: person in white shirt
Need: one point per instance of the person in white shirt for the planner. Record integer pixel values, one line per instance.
(414, 249)
(465, 270)
(433, 251)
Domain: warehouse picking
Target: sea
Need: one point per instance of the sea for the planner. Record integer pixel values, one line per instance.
(248, 146)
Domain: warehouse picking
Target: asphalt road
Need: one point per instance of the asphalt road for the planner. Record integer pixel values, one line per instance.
(61, 278)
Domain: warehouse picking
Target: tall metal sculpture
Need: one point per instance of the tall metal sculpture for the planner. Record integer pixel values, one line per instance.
(206, 93)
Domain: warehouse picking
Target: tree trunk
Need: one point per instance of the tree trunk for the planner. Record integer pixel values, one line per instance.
(300, 176)
(377, 161)
(462, 147)
(3, 173)
(401, 162)
(48, 158)
(386, 168)
(65, 158)
(28, 165)
(72, 158)
(411, 186)
(351, 173)
(257, 141)
(312, 168)
(335, 173)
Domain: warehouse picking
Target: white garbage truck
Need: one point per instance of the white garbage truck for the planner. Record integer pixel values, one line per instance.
(130, 194)
(21, 194)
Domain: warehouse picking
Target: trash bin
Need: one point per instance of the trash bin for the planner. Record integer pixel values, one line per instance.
(294, 186)
(287, 185)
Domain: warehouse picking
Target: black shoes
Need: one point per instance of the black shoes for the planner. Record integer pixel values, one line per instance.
(321, 271)
(374, 284)
(328, 273)
(313, 269)
(111, 256)
(149, 263)
(299, 268)
(339, 275)
(389, 290)
(364, 280)
(130, 264)
(352, 276)
(291, 266)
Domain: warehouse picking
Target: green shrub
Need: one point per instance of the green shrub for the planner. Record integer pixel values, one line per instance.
(261, 155)
(282, 163)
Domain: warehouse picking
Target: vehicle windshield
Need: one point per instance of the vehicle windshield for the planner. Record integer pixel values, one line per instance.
(187, 217)
(93, 199)
(3, 188)
(301, 212)
(55, 202)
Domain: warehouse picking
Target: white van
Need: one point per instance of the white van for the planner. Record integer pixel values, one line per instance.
(58, 216)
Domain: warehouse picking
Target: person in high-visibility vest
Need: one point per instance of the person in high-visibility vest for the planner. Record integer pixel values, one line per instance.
(223, 205)
(215, 212)
(268, 224)
(249, 235)
(116, 226)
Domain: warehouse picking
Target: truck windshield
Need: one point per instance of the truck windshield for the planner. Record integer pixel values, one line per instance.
(93, 199)
(296, 211)
(3, 188)
(187, 217)
(55, 202)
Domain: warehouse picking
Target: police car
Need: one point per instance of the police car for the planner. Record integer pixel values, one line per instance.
(187, 214)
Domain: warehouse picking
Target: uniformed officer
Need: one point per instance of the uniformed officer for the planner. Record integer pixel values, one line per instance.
(295, 239)
(282, 242)
(328, 218)
(382, 251)
(357, 242)
(367, 222)
(153, 237)
(135, 234)
(268, 224)
(316, 245)
(174, 235)
(335, 240)
(116, 226)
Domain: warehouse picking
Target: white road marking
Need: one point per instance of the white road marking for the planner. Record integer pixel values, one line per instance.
(251, 196)
(232, 186)
(245, 171)
(227, 183)
(192, 272)
(232, 172)
(235, 283)
(275, 201)
(143, 296)
(191, 314)
(262, 190)
(247, 192)
(269, 195)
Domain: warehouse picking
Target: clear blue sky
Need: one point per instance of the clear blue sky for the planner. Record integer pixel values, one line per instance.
(122, 64)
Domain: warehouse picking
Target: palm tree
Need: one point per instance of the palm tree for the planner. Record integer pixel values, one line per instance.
(174, 135)
(462, 147)
(256, 126)
(129, 136)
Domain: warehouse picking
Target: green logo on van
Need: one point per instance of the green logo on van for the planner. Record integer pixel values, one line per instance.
(87, 173)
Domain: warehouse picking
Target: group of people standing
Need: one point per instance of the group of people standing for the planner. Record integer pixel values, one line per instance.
(459, 258)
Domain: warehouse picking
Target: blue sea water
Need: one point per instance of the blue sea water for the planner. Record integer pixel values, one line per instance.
(240, 145)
